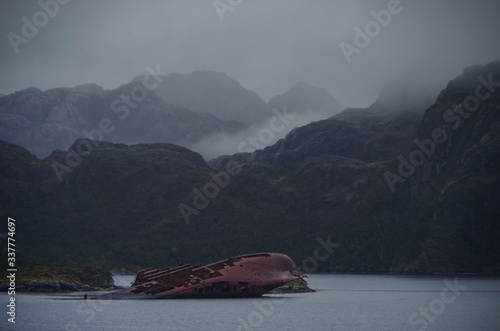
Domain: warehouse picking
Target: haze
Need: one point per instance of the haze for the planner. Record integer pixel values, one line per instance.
(266, 45)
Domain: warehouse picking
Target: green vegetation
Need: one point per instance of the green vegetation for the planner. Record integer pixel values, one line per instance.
(79, 275)
(297, 282)
(119, 207)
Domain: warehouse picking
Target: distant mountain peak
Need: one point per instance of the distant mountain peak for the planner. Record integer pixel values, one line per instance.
(468, 81)
(43, 121)
(214, 93)
(30, 90)
(302, 97)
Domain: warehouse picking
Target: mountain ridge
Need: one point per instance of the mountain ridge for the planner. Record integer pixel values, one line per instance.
(213, 93)
(327, 180)
(47, 120)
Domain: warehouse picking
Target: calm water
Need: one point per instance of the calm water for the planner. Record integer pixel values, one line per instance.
(343, 302)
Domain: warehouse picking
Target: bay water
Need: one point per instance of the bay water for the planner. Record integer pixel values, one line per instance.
(342, 302)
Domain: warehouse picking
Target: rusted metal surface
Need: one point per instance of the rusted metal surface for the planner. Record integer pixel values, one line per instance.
(240, 276)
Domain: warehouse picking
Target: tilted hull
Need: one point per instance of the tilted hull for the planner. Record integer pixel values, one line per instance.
(241, 276)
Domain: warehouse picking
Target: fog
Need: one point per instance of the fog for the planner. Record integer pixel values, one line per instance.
(266, 45)
(257, 136)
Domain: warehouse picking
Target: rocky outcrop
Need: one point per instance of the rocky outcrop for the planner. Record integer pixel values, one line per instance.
(291, 289)
(296, 286)
(60, 278)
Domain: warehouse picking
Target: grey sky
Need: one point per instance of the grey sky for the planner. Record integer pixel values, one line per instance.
(267, 45)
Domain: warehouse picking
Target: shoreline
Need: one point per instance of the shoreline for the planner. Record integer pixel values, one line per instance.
(34, 286)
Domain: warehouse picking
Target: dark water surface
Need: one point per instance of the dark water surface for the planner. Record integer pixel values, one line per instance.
(343, 302)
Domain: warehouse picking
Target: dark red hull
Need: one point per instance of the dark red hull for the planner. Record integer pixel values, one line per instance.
(241, 276)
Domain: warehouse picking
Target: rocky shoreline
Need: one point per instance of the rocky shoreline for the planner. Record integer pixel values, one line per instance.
(56, 286)
(62, 286)
(57, 278)
(291, 289)
(59, 286)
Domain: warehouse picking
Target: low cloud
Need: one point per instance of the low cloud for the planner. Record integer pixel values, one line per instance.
(256, 136)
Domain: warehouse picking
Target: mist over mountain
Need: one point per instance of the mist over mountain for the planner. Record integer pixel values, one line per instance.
(302, 97)
(361, 138)
(43, 121)
(299, 106)
(413, 90)
(354, 176)
(213, 93)
(254, 137)
(206, 111)
(370, 134)
(314, 130)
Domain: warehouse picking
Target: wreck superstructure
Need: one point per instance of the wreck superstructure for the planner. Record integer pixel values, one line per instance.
(240, 276)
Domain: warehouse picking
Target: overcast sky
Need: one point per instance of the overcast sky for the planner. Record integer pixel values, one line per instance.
(267, 45)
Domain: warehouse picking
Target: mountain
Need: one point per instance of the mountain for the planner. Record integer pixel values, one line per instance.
(302, 97)
(457, 186)
(43, 121)
(386, 193)
(441, 214)
(378, 132)
(150, 176)
(371, 142)
(470, 146)
(213, 93)
(375, 133)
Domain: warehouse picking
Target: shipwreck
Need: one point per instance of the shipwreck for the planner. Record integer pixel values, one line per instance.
(248, 275)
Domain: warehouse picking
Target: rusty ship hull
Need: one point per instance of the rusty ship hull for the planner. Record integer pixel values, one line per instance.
(241, 276)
